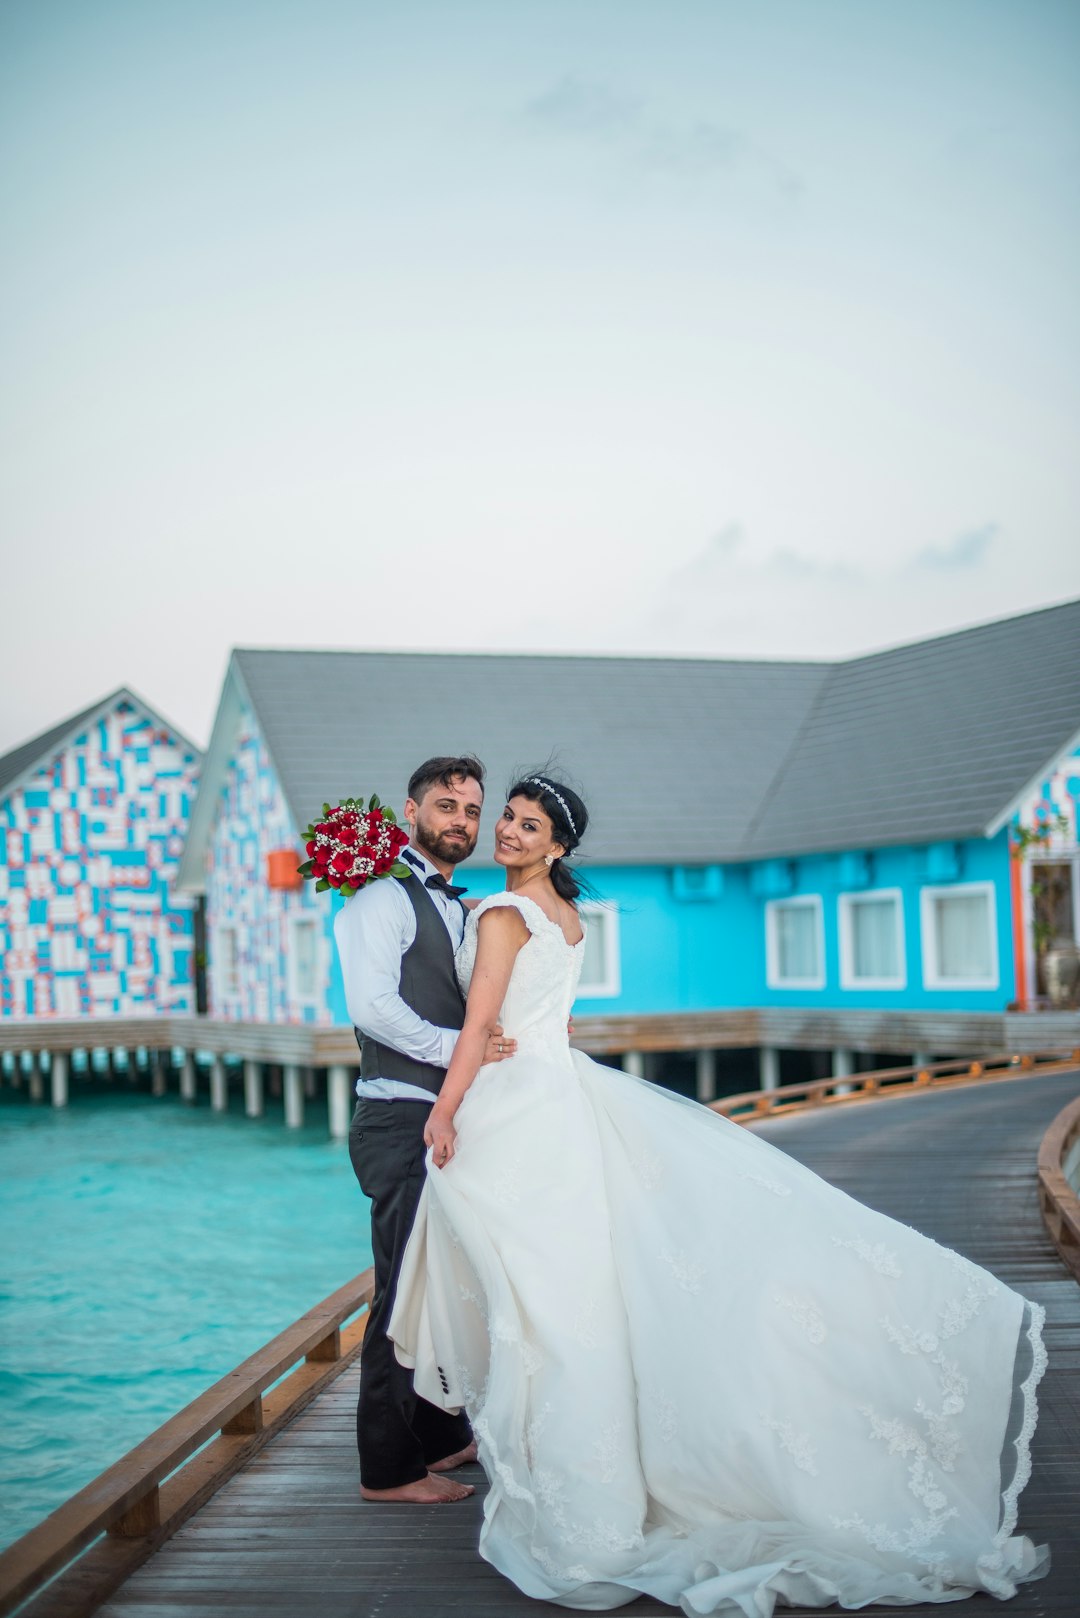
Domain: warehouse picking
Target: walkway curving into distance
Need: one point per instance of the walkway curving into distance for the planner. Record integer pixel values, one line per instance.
(289, 1535)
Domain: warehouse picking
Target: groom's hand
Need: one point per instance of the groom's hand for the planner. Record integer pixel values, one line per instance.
(498, 1046)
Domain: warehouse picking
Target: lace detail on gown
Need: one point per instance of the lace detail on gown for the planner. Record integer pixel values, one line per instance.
(694, 1369)
(544, 982)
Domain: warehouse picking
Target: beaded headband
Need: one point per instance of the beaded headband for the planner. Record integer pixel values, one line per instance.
(535, 781)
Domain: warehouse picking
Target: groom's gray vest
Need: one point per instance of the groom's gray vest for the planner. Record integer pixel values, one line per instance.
(429, 985)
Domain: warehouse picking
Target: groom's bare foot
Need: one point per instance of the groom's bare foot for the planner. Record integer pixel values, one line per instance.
(429, 1491)
(461, 1457)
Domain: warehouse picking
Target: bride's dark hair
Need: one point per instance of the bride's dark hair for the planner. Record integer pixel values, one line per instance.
(569, 818)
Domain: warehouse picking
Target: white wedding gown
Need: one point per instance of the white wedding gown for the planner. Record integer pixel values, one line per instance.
(694, 1369)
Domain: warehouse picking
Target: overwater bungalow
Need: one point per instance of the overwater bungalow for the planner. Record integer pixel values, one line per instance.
(93, 815)
(798, 865)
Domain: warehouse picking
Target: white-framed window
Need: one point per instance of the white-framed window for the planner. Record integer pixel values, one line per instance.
(872, 939)
(228, 961)
(600, 975)
(303, 960)
(795, 943)
(959, 936)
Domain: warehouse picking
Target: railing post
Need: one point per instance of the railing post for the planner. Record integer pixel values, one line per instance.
(769, 1066)
(141, 1518)
(58, 1078)
(705, 1075)
(294, 1097)
(338, 1098)
(247, 1420)
(633, 1062)
(329, 1349)
(253, 1089)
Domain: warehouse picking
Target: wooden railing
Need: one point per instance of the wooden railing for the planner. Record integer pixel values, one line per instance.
(751, 1105)
(1059, 1202)
(141, 1500)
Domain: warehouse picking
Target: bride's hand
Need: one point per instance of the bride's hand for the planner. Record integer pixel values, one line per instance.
(440, 1135)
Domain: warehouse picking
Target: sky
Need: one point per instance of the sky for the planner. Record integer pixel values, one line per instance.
(679, 327)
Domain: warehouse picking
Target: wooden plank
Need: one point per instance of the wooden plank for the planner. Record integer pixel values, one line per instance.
(788, 1027)
(289, 1533)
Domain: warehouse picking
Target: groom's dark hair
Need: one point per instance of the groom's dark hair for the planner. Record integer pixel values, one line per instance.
(444, 772)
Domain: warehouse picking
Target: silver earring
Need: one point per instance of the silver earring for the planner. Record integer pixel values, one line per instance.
(549, 860)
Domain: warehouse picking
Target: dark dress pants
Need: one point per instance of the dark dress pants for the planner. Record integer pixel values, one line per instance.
(398, 1434)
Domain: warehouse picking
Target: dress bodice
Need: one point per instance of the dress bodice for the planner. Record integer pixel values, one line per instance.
(544, 980)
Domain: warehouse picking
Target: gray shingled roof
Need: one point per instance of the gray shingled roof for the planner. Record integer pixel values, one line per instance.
(43, 748)
(691, 761)
(672, 756)
(928, 742)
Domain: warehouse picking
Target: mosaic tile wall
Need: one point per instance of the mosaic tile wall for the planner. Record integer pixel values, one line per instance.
(88, 924)
(1059, 795)
(251, 928)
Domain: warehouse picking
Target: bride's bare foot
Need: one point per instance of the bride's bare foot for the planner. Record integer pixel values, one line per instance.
(429, 1491)
(462, 1457)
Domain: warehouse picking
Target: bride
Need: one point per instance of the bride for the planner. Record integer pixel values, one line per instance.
(694, 1369)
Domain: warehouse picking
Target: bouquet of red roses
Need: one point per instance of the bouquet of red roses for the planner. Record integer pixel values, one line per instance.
(353, 844)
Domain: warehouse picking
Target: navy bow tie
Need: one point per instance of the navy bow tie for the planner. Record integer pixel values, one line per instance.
(434, 881)
(444, 886)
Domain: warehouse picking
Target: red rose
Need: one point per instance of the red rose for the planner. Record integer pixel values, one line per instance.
(341, 862)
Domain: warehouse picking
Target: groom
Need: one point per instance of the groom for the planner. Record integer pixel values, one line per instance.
(396, 940)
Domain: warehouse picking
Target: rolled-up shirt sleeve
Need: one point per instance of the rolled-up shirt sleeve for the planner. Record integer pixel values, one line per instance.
(372, 932)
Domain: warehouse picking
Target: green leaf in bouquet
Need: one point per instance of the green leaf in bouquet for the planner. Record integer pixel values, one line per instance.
(321, 885)
(347, 890)
(388, 814)
(374, 804)
(307, 868)
(400, 869)
(325, 810)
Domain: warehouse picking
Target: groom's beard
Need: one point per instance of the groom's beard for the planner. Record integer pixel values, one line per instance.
(442, 846)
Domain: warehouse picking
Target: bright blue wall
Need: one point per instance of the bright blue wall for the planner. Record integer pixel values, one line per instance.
(704, 954)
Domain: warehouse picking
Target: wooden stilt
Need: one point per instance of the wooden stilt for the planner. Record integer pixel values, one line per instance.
(219, 1089)
(58, 1079)
(294, 1097)
(253, 1089)
(339, 1096)
(187, 1077)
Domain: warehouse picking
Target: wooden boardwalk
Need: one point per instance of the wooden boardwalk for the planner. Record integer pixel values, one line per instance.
(289, 1536)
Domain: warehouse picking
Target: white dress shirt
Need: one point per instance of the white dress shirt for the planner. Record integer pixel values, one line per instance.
(372, 931)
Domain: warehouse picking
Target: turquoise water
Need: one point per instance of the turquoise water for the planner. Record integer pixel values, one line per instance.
(148, 1248)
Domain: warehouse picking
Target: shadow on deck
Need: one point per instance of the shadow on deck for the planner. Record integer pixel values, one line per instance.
(289, 1535)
